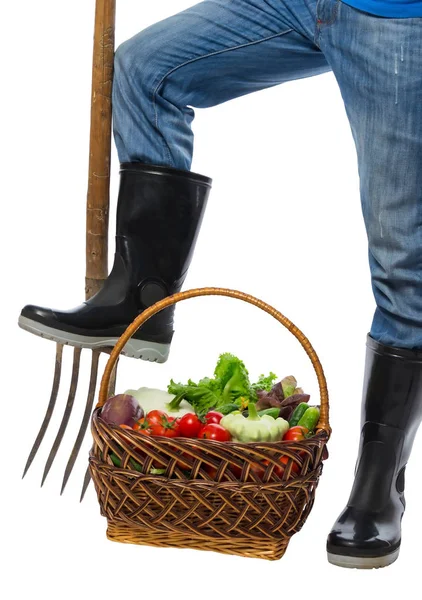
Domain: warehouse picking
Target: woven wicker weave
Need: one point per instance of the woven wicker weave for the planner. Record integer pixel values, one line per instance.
(227, 497)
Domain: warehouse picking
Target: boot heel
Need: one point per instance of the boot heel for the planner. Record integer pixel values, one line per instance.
(150, 351)
(358, 562)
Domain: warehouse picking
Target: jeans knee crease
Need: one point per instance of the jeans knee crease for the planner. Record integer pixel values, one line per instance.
(197, 58)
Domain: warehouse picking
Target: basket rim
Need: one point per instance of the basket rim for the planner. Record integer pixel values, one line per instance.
(321, 434)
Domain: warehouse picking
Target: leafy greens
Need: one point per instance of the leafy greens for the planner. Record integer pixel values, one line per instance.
(230, 385)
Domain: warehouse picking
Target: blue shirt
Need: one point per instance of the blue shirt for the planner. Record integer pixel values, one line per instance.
(389, 8)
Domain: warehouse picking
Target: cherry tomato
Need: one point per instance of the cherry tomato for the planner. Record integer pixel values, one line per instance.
(212, 472)
(166, 428)
(258, 470)
(143, 426)
(185, 466)
(295, 467)
(237, 471)
(128, 442)
(214, 432)
(162, 431)
(213, 417)
(160, 424)
(146, 432)
(155, 416)
(295, 434)
(190, 425)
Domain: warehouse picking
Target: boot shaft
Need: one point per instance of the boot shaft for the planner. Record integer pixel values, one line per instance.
(367, 533)
(159, 215)
(390, 417)
(392, 389)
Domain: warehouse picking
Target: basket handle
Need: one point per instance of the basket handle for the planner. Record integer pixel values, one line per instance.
(170, 300)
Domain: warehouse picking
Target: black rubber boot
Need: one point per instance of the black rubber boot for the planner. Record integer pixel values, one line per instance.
(159, 214)
(368, 532)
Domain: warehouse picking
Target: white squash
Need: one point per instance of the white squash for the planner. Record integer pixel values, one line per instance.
(152, 399)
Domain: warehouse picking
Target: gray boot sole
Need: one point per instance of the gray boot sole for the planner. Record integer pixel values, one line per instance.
(150, 351)
(356, 562)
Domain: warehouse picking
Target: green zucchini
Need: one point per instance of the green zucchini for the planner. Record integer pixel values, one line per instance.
(298, 413)
(117, 462)
(272, 412)
(227, 408)
(310, 418)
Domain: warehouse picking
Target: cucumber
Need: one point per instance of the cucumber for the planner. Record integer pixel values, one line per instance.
(272, 412)
(298, 413)
(227, 408)
(310, 418)
(117, 462)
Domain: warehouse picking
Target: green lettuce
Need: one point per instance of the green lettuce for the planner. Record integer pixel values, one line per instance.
(229, 385)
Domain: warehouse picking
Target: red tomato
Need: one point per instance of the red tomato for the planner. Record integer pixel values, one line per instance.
(258, 470)
(214, 432)
(146, 432)
(237, 471)
(156, 416)
(185, 466)
(213, 417)
(295, 434)
(295, 467)
(129, 443)
(212, 472)
(161, 424)
(163, 431)
(190, 425)
(143, 426)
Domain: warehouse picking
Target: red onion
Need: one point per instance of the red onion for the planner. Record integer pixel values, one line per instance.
(122, 409)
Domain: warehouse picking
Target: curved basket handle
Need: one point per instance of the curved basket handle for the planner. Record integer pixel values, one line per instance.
(170, 300)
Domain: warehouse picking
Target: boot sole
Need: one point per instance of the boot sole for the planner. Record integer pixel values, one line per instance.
(149, 351)
(359, 562)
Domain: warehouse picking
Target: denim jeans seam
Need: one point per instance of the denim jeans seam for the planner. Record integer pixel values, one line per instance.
(320, 25)
(333, 15)
(192, 60)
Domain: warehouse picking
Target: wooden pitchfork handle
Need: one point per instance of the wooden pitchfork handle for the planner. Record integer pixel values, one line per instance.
(96, 232)
(98, 198)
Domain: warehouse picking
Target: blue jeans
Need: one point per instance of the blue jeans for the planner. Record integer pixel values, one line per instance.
(218, 50)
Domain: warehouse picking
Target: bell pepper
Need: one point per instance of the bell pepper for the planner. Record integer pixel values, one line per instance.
(254, 428)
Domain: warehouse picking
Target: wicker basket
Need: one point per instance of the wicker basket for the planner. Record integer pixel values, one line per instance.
(235, 510)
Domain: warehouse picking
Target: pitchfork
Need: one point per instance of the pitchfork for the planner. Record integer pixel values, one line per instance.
(96, 236)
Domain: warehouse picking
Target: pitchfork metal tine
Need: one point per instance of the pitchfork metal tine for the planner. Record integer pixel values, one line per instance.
(50, 408)
(67, 412)
(85, 418)
(85, 485)
(111, 392)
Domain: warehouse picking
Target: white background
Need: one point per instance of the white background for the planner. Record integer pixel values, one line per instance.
(283, 223)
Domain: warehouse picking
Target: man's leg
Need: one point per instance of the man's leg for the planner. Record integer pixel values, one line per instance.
(377, 63)
(210, 53)
(205, 55)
